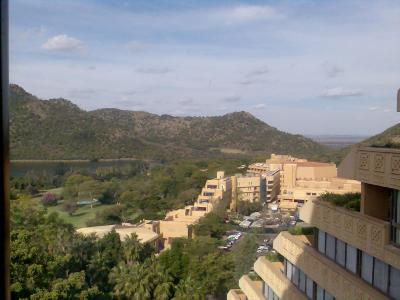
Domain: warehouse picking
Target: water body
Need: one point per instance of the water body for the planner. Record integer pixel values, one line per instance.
(18, 169)
(337, 141)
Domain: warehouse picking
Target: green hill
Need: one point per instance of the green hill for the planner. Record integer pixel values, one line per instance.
(58, 129)
(389, 138)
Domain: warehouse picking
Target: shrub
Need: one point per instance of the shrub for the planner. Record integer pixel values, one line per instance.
(49, 199)
(348, 200)
(301, 230)
(274, 257)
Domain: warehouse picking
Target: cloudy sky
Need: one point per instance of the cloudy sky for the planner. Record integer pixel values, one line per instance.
(309, 67)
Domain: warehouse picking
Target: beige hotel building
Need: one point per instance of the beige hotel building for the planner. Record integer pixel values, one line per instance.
(352, 254)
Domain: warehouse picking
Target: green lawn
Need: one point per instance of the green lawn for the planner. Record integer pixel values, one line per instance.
(82, 214)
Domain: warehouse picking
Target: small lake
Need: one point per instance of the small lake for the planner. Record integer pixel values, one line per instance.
(18, 169)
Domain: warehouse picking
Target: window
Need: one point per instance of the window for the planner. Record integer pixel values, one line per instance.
(394, 289)
(310, 288)
(395, 217)
(328, 296)
(367, 267)
(341, 253)
(270, 293)
(351, 259)
(320, 293)
(289, 268)
(330, 246)
(321, 241)
(302, 282)
(381, 274)
(295, 278)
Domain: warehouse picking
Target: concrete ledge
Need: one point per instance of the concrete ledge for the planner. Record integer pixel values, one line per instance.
(272, 274)
(252, 289)
(364, 232)
(336, 280)
(235, 295)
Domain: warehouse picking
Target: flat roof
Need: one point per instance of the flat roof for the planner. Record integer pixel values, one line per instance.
(314, 164)
(144, 234)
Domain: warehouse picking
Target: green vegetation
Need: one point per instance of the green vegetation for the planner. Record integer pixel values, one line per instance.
(125, 194)
(58, 129)
(299, 230)
(210, 225)
(244, 254)
(246, 208)
(348, 200)
(274, 257)
(54, 262)
(390, 138)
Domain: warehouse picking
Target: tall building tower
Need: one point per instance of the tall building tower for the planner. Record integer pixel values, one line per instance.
(352, 254)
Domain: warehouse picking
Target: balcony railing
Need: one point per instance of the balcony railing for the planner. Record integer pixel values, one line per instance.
(236, 295)
(378, 166)
(252, 288)
(364, 232)
(274, 277)
(326, 273)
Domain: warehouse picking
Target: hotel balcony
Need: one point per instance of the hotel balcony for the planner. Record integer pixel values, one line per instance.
(236, 295)
(251, 288)
(323, 271)
(364, 232)
(272, 274)
(372, 165)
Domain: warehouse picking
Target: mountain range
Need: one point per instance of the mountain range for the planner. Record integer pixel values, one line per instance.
(58, 129)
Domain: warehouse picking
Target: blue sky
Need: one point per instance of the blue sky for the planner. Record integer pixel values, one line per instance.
(309, 67)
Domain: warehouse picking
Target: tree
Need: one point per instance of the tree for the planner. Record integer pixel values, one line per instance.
(49, 199)
(246, 208)
(244, 255)
(189, 288)
(141, 281)
(210, 225)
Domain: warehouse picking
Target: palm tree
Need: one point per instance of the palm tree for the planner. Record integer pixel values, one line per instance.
(131, 282)
(188, 288)
(131, 249)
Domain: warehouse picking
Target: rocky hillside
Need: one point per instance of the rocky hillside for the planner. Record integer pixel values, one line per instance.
(58, 129)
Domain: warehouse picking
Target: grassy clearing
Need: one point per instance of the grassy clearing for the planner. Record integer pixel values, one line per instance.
(80, 217)
(82, 214)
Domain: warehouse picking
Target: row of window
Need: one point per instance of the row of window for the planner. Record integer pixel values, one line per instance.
(395, 217)
(269, 294)
(208, 194)
(211, 186)
(371, 269)
(305, 284)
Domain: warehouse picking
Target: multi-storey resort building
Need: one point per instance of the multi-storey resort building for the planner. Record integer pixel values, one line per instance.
(351, 254)
(294, 181)
(249, 187)
(304, 181)
(216, 194)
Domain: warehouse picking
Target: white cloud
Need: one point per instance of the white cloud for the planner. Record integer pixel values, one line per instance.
(340, 92)
(247, 13)
(154, 70)
(258, 106)
(373, 108)
(64, 43)
(252, 81)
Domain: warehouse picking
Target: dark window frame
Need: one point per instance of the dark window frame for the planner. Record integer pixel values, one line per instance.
(4, 149)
